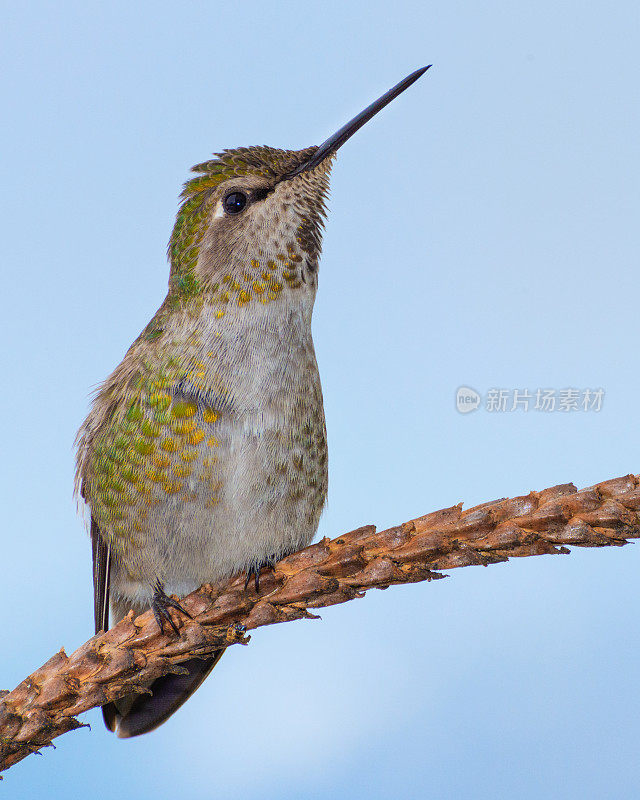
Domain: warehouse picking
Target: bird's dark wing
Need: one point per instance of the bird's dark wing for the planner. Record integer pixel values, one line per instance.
(101, 571)
(101, 553)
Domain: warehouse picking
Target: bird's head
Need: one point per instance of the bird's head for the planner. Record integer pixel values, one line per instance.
(249, 229)
(250, 224)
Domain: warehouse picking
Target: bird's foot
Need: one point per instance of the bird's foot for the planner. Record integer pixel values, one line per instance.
(160, 606)
(254, 571)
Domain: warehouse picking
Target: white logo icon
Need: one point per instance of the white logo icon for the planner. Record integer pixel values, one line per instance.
(467, 399)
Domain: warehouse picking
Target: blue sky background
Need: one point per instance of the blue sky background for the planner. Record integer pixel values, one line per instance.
(483, 231)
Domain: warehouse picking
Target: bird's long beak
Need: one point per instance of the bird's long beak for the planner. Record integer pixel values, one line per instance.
(346, 132)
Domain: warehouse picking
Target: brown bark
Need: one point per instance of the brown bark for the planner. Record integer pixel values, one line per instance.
(135, 651)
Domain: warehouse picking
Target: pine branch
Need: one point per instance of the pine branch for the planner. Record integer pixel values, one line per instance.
(135, 651)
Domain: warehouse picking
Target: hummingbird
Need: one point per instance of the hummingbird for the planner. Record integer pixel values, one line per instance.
(204, 454)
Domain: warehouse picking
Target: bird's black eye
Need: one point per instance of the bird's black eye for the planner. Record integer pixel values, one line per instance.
(234, 202)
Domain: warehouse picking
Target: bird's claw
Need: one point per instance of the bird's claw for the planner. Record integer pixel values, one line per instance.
(160, 606)
(254, 571)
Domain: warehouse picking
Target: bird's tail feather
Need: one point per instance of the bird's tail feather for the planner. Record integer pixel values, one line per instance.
(140, 713)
